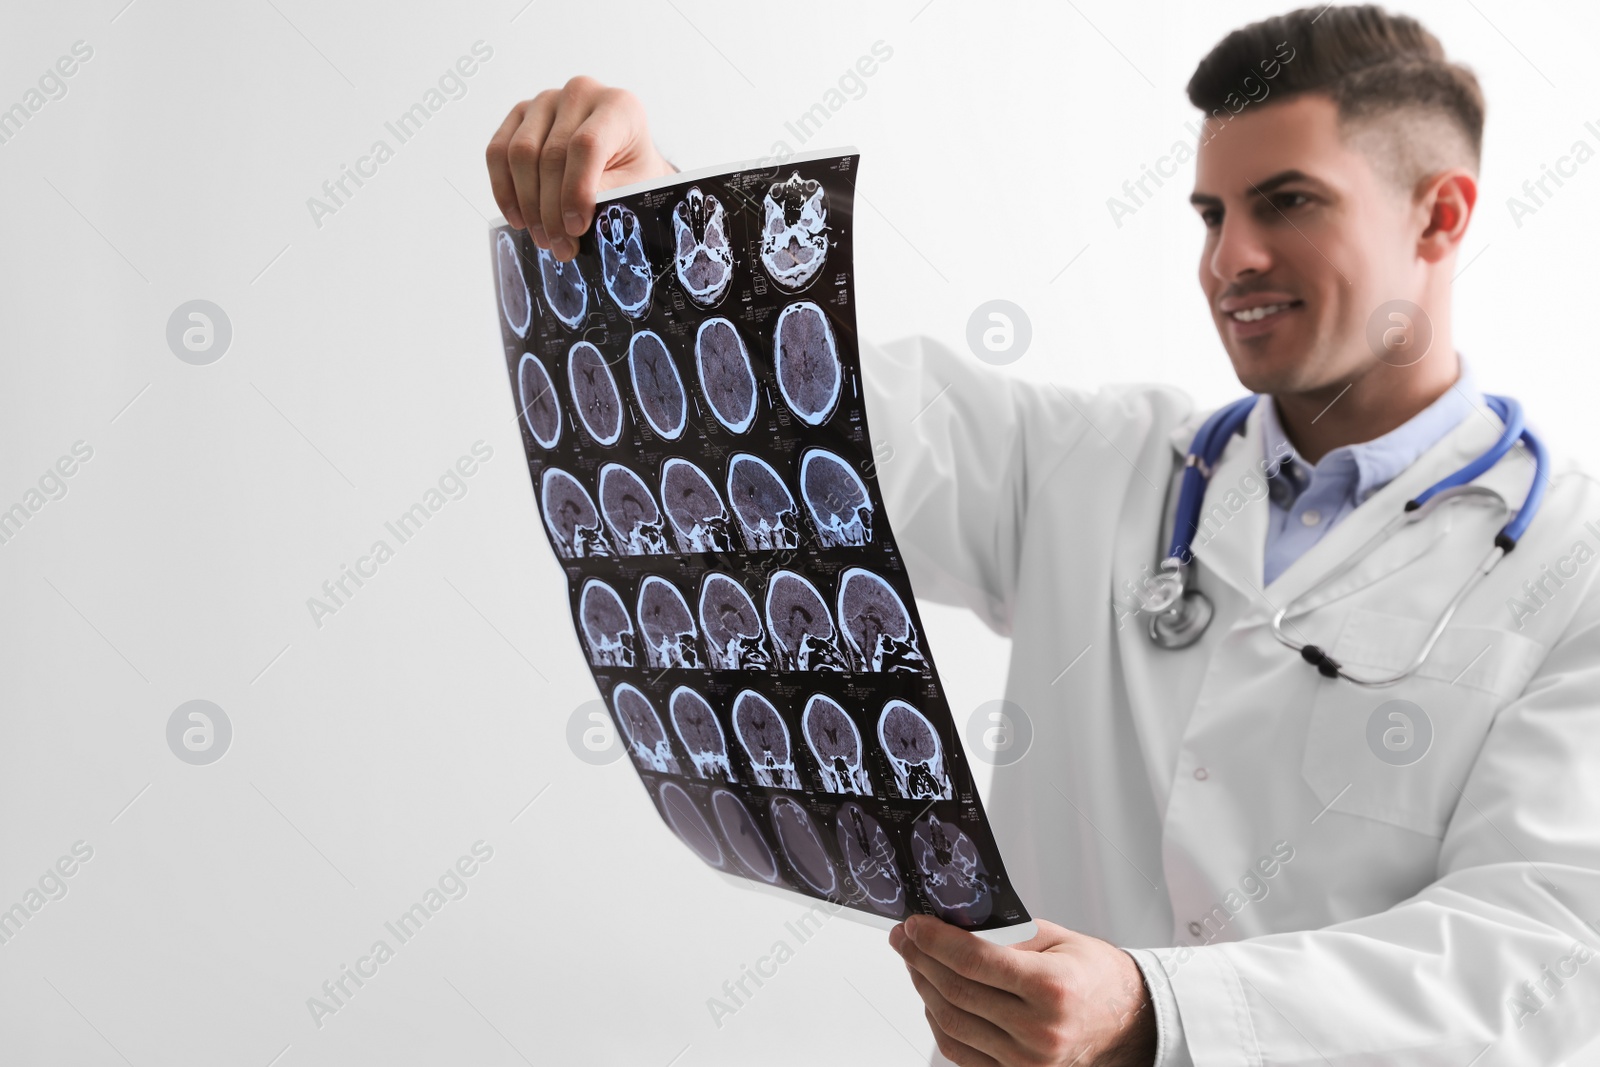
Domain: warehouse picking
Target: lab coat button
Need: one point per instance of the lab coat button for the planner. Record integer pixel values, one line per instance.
(1194, 928)
(1201, 774)
(1310, 517)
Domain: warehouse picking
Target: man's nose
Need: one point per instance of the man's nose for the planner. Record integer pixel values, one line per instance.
(1240, 251)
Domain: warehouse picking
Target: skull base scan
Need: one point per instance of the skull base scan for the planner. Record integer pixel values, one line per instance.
(953, 875)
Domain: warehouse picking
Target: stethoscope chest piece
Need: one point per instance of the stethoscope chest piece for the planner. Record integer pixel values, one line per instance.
(1182, 624)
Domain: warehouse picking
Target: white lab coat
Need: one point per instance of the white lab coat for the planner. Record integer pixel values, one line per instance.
(1407, 906)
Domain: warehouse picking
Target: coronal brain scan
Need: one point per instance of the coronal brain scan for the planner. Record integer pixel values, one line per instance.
(953, 875)
(726, 376)
(515, 301)
(806, 359)
(699, 521)
(837, 499)
(630, 512)
(702, 251)
(762, 504)
(801, 628)
(700, 733)
(570, 514)
(869, 856)
(766, 741)
(915, 754)
(657, 385)
(794, 231)
(876, 624)
(735, 639)
(566, 294)
(594, 393)
(691, 826)
(750, 849)
(607, 630)
(668, 628)
(624, 267)
(802, 844)
(836, 744)
(641, 729)
(537, 400)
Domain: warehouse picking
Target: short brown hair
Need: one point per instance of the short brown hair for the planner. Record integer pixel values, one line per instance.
(1372, 64)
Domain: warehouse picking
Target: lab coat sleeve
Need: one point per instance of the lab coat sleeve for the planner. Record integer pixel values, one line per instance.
(1172, 1049)
(1497, 957)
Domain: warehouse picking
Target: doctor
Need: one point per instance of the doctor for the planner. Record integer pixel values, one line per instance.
(1255, 857)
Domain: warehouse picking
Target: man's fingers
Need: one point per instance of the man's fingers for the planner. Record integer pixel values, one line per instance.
(961, 1036)
(1006, 1010)
(505, 189)
(589, 148)
(522, 156)
(578, 101)
(969, 955)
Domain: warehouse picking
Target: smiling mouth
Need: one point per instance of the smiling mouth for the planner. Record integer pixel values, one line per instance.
(1256, 314)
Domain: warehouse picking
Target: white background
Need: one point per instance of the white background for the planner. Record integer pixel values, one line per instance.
(369, 753)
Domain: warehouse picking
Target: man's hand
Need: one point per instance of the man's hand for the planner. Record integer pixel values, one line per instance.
(554, 154)
(1062, 998)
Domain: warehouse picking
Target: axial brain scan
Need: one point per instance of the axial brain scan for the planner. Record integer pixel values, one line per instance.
(726, 377)
(657, 385)
(536, 395)
(836, 744)
(631, 512)
(762, 503)
(700, 733)
(876, 625)
(801, 628)
(750, 849)
(565, 291)
(699, 521)
(515, 302)
(837, 499)
(691, 826)
(669, 633)
(702, 253)
(594, 393)
(624, 267)
(766, 741)
(641, 729)
(607, 630)
(953, 874)
(735, 640)
(802, 845)
(915, 754)
(806, 359)
(570, 514)
(794, 231)
(869, 855)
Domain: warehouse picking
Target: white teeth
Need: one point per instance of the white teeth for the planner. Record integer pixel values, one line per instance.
(1256, 314)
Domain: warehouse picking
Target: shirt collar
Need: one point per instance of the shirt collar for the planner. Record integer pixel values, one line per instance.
(1368, 465)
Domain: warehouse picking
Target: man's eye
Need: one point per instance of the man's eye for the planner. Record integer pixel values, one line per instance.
(1287, 200)
(1211, 217)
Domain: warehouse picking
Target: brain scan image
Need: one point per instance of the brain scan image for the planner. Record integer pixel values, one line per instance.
(915, 754)
(594, 393)
(536, 393)
(802, 844)
(699, 521)
(806, 360)
(766, 741)
(657, 385)
(624, 268)
(870, 857)
(564, 289)
(641, 729)
(801, 628)
(762, 504)
(750, 849)
(570, 514)
(953, 874)
(794, 232)
(515, 301)
(700, 733)
(669, 633)
(726, 376)
(735, 640)
(837, 499)
(630, 512)
(876, 624)
(607, 630)
(836, 744)
(702, 252)
(690, 826)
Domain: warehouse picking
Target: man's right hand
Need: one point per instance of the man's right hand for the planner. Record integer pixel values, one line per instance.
(555, 153)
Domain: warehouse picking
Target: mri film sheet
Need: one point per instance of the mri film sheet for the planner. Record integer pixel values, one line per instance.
(689, 394)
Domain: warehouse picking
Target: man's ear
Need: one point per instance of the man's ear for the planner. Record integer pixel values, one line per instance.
(1447, 198)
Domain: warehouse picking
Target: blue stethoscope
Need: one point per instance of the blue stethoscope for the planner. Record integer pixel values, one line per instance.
(1179, 615)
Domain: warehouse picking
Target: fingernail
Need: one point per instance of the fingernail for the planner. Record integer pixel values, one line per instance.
(538, 236)
(574, 222)
(564, 248)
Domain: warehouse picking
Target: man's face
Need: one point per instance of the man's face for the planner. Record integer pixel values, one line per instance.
(1296, 217)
